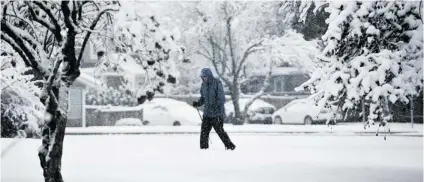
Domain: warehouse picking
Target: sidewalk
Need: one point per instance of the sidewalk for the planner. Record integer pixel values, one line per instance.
(351, 129)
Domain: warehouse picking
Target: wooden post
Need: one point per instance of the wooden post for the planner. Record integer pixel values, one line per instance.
(84, 121)
(411, 100)
(363, 110)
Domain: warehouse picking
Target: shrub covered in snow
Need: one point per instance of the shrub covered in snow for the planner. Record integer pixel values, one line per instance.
(373, 53)
(21, 108)
(110, 96)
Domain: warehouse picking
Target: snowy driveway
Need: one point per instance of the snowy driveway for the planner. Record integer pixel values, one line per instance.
(172, 158)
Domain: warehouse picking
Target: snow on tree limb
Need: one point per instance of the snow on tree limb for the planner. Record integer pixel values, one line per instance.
(26, 28)
(53, 20)
(16, 39)
(92, 26)
(20, 107)
(370, 57)
(40, 20)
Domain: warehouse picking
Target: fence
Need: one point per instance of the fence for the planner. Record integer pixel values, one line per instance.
(277, 101)
(109, 115)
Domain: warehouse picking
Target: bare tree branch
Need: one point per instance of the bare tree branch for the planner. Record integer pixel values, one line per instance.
(66, 16)
(52, 19)
(261, 92)
(80, 9)
(246, 54)
(74, 12)
(204, 55)
(38, 19)
(87, 36)
(204, 48)
(5, 8)
(231, 46)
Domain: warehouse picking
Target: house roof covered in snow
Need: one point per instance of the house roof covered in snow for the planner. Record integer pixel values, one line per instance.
(126, 65)
(90, 81)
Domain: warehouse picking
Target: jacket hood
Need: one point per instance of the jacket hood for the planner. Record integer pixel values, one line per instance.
(206, 72)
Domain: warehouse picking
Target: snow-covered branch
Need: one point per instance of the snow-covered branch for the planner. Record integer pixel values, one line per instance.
(367, 60)
(57, 29)
(251, 49)
(262, 90)
(92, 26)
(39, 19)
(17, 40)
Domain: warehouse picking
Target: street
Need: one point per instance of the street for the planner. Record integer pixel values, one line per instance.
(268, 158)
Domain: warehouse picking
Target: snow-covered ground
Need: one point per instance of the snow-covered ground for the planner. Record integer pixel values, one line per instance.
(172, 158)
(339, 129)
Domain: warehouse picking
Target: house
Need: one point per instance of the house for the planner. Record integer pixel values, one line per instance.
(76, 95)
(283, 81)
(92, 78)
(76, 99)
(120, 66)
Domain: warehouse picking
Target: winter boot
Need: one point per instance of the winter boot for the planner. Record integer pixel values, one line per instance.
(230, 147)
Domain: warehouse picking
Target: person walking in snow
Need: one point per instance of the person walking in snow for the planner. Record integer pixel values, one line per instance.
(212, 98)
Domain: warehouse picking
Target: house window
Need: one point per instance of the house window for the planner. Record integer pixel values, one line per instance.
(75, 104)
(139, 80)
(293, 81)
(256, 83)
(278, 85)
(115, 81)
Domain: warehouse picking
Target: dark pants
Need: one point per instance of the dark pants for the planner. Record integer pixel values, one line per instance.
(218, 125)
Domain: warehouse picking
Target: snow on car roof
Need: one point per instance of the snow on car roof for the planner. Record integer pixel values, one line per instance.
(177, 109)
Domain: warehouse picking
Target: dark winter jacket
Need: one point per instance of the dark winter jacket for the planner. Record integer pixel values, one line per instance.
(212, 95)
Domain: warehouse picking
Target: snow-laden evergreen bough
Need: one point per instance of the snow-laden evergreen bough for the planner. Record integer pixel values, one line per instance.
(373, 54)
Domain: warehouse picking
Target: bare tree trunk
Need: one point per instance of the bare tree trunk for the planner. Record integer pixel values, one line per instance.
(259, 94)
(53, 133)
(386, 111)
(235, 96)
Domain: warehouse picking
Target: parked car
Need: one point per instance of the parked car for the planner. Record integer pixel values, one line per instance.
(304, 111)
(165, 111)
(259, 112)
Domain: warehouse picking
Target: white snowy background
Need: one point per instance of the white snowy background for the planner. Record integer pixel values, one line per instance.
(370, 51)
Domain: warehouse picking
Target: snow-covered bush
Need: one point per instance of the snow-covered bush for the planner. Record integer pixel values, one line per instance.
(21, 108)
(129, 122)
(373, 53)
(110, 96)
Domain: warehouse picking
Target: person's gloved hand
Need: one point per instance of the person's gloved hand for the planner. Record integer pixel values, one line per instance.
(195, 104)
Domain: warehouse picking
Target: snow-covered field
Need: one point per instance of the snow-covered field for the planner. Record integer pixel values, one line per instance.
(257, 158)
(339, 129)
